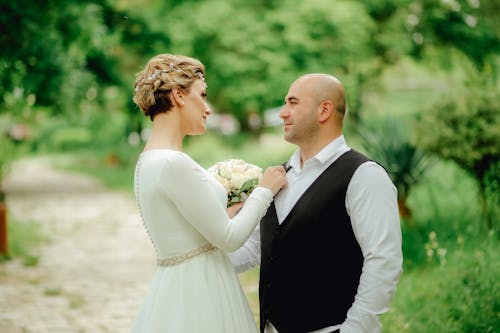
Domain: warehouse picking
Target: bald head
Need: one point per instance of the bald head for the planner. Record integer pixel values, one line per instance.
(313, 113)
(325, 87)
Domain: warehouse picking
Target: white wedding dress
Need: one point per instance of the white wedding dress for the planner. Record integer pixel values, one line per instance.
(194, 288)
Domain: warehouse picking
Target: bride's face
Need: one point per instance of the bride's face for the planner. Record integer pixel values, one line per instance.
(196, 110)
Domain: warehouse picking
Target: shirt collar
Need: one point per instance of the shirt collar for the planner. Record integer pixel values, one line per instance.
(336, 146)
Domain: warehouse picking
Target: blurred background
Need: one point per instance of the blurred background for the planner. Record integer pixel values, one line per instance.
(421, 78)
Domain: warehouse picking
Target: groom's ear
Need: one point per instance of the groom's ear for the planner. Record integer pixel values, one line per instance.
(325, 110)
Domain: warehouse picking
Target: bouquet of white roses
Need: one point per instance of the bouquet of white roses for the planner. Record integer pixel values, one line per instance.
(238, 177)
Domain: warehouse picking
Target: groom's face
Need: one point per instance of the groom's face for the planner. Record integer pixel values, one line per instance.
(299, 112)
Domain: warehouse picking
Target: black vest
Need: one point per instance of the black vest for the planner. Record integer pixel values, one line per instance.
(311, 263)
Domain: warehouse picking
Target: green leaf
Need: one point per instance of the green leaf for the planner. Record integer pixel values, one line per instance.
(249, 185)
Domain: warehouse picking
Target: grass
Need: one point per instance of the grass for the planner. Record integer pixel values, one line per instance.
(456, 291)
(461, 295)
(446, 203)
(24, 238)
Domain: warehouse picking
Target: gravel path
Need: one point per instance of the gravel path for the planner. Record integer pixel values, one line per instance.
(95, 269)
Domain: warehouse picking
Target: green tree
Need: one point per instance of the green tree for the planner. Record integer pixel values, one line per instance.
(58, 57)
(254, 50)
(465, 128)
(388, 42)
(48, 49)
(470, 26)
(60, 52)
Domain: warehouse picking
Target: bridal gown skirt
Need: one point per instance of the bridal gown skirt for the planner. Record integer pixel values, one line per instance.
(202, 294)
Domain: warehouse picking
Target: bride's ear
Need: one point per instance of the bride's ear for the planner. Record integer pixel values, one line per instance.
(177, 96)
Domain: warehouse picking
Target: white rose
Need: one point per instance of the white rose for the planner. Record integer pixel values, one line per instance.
(237, 180)
(238, 165)
(224, 182)
(254, 172)
(225, 170)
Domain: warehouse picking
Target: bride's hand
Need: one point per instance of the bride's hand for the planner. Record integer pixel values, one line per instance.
(234, 209)
(274, 178)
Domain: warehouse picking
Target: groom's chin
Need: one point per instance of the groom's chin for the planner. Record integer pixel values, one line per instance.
(288, 137)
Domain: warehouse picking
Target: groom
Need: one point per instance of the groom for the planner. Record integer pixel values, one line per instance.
(329, 246)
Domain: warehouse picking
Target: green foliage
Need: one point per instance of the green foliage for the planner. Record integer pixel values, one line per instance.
(24, 239)
(456, 290)
(461, 296)
(491, 183)
(64, 52)
(252, 60)
(69, 138)
(66, 73)
(468, 132)
(11, 147)
(46, 54)
(469, 26)
(382, 10)
(112, 164)
(70, 53)
(388, 143)
(446, 199)
(442, 204)
(6, 154)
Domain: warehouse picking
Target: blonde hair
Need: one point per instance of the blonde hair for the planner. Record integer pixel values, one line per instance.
(161, 74)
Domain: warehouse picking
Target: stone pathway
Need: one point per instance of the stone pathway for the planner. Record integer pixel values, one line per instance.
(95, 269)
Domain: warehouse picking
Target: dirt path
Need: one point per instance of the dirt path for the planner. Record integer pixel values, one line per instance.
(94, 270)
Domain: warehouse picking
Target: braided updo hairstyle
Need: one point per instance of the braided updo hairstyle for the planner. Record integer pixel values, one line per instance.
(161, 74)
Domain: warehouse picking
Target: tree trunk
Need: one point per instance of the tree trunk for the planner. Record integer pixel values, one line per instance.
(485, 206)
(404, 211)
(4, 245)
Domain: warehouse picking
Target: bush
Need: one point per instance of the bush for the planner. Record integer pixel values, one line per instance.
(70, 138)
(388, 143)
(465, 128)
(462, 295)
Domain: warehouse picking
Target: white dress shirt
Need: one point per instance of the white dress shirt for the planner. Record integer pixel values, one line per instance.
(371, 203)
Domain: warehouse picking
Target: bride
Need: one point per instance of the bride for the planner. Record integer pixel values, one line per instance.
(183, 208)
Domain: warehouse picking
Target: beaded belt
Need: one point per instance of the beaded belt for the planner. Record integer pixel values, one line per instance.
(175, 260)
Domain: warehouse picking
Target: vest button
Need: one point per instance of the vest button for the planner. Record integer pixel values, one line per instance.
(269, 285)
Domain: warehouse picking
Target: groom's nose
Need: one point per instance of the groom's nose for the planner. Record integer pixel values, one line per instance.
(284, 113)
